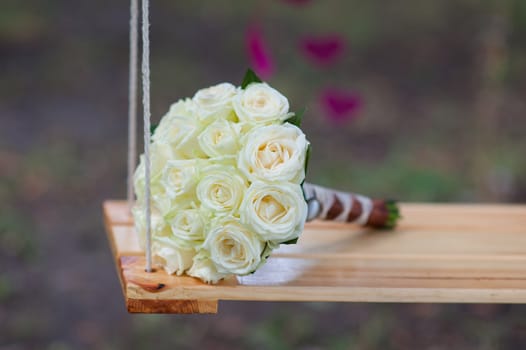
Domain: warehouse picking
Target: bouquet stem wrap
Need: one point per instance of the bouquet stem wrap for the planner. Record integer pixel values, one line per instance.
(328, 204)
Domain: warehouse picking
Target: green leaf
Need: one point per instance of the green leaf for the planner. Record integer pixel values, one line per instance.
(296, 118)
(393, 214)
(265, 251)
(250, 77)
(292, 241)
(307, 157)
(153, 127)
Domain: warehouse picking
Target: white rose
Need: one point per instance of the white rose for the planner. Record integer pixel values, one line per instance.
(158, 158)
(157, 225)
(221, 188)
(277, 211)
(179, 178)
(179, 134)
(215, 102)
(260, 104)
(173, 257)
(220, 138)
(204, 269)
(274, 153)
(185, 108)
(161, 200)
(232, 247)
(188, 226)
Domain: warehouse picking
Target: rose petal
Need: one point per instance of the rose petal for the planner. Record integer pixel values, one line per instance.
(339, 105)
(258, 52)
(323, 50)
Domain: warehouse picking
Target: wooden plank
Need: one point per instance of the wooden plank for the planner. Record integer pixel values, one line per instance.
(119, 212)
(125, 245)
(309, 281)
(154, 306)
(125, 241)
(439, 253)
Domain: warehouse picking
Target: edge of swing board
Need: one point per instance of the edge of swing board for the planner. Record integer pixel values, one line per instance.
(440, 253)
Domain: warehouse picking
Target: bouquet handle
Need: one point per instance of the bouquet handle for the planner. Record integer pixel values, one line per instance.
(329, 204)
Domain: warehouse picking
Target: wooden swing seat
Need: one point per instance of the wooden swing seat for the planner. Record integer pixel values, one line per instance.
(440, 253)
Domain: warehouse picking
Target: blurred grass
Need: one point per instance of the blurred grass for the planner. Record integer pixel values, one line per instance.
(15, 235)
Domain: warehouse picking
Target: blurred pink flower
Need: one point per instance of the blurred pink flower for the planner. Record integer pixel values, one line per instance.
(340, 106)
(258, 52)
(323, 50)
(297, 2)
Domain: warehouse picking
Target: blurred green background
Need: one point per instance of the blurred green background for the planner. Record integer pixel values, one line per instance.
(444, 119)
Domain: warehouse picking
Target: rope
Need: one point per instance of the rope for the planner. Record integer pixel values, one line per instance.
(132, 100)
(146, 113)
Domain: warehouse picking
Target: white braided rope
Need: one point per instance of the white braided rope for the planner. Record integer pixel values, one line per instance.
(132, 100)
(146, 115)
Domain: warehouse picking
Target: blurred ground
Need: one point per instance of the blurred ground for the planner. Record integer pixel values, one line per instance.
(444, 120)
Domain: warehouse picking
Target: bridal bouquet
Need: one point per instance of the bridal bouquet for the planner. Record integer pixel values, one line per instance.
(227, 183)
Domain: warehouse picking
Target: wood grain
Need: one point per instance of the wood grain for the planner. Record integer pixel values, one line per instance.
(129, 262)
(439, 253)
